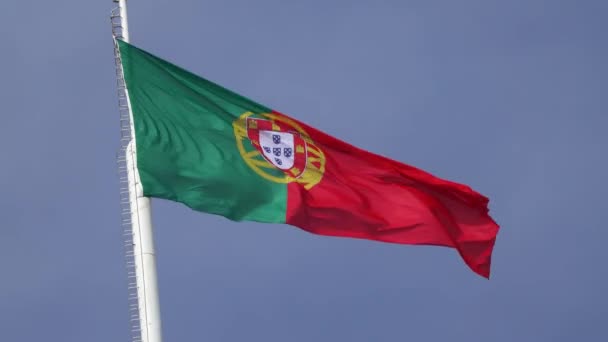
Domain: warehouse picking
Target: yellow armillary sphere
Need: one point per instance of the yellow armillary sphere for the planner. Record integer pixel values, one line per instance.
(270, 141)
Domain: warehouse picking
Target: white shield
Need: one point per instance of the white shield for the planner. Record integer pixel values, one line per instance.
(278, 148)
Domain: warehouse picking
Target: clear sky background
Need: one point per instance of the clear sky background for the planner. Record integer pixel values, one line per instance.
(506, 96)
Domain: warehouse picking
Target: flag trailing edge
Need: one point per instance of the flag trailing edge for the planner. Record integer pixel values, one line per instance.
(218, 152)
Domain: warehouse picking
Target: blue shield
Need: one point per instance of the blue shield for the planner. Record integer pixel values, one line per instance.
(287, 151)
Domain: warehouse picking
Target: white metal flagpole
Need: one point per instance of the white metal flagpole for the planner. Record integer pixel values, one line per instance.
(141, 243)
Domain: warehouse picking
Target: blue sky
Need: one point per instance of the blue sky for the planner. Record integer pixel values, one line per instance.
(506, 96)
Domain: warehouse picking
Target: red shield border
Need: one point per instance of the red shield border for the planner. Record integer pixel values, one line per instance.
(255, 125)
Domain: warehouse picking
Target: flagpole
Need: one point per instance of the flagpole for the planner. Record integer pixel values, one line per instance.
(141, 250)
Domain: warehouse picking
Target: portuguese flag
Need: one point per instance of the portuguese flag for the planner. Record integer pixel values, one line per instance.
(218, 152)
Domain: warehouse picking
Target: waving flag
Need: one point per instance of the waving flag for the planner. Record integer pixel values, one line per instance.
(218, 152)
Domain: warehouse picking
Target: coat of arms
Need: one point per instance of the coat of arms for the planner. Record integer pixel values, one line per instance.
(274, 141)
(277, 143)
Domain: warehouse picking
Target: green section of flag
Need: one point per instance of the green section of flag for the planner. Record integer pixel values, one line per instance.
(186, 148)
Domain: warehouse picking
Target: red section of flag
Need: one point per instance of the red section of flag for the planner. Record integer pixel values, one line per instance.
(363, 195)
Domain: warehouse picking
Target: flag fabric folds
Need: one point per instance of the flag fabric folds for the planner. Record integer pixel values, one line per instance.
(218, 152)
